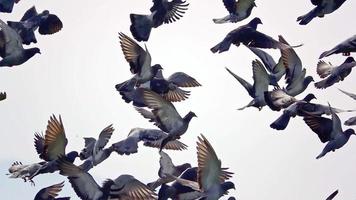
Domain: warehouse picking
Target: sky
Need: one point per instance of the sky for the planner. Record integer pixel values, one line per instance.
(76, 73)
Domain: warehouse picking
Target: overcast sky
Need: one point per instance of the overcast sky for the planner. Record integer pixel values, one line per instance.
(76, 73)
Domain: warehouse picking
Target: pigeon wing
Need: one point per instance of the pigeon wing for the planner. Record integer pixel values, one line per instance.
(104, 138)
(55, 139)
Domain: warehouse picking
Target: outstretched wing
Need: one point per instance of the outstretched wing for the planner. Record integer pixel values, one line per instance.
(182, 79)
(104, 138)
(55, 139)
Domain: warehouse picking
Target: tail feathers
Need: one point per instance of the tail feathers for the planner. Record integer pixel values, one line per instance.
(326, 53)
(141, 26)
(305, 19)
(281, 123)
(126, 86)
(221, 47)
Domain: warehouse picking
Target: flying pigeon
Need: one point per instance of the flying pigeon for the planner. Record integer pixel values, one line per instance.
(45, 22)
(345, 47)
(19, 170)
(11, 49)
(279, 99)
(140, 63)
(322, 8)
(95, 150)
(51, 192)
(162, 11)
(6, 6)
(165, 116)
(260, 85)
(150, 137)
(123, 187)
(333, 195)
(238, 10)
(249, 36)
(211, 177)
(330, 131)
(167, 170)
(52, 145)
(2, 96)
(333, 74)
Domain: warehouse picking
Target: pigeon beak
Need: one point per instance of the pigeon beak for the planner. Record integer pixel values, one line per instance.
(254, 4)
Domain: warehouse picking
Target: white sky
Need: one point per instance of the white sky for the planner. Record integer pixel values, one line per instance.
(76, 73)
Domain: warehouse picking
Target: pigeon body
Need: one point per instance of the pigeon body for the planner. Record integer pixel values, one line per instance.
(249, 36)
(322, 8)
(150, 137)
(18, 170)
(345, 47)
(260, 85)
(330, 131)
(238, 10)
(333, 74)
(31, 21)
(162, 12)
(11, 49)
(165, 116)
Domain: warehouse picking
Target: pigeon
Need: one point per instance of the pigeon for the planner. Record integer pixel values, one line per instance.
(6, 6)
(2, 96)
(51, 192)
(352, 120)
(211, 177)
(140, 63)
(279, 99)
(260, 85)
(296, 79)
(84, 185)
(165, 116)
(249, 36)
(330, 131)
(169, 89)
(238, 10)
(19, 170)
(150, 137)
(167, 170)
(302, 108)
(94, 149)
(45, 22)
(51, 146)
(162, 11)
(322, 8)
(332, 196)
(333, 74)
(11, 49)
(345, 47)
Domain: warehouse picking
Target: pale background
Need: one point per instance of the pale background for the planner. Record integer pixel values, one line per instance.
(79, 66)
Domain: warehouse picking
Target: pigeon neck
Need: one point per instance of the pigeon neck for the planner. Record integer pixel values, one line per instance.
(106, 187)
(188, 117)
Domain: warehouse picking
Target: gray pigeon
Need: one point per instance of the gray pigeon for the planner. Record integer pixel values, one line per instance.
(123, 187)
(211, 179)
(332, 196)
(51, 146)
(345, 47)
(165, 116)
(162, 12)
(279, 99)
(51, 192)
(238, 10)
(6, 6)
(167, 170)
(330, 131)
(249, 36)
(322, 8)
(333, 74)
(140, 63)
(260, 85)
(11, 49)
(95, 150)
(45, 22)
(352, 120)
(2, 96)
(150, 137)
(18, 170)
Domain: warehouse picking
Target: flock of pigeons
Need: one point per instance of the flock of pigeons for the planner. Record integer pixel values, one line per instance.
(153, 96)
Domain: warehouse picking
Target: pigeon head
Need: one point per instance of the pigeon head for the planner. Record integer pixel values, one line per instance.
(349, 59)
(228, 185)
(156, 68)
(254, 22)
(189, 116)
(254, 4)
(84, 154)
(71, 156)
(31, 52)
(308, 80)
(309, 97)
(349, 132)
